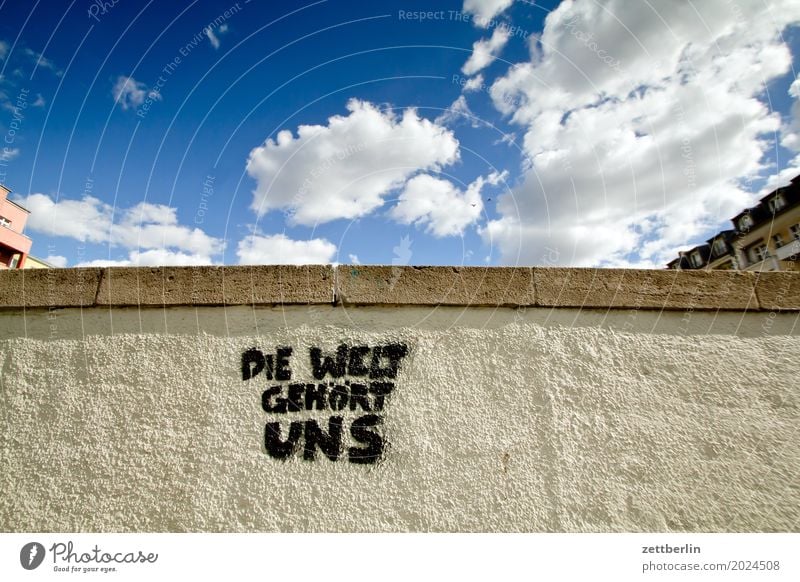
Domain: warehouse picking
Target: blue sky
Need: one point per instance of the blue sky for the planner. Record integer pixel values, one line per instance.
(474, 132)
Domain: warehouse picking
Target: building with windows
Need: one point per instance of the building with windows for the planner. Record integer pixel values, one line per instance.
(36, 263)
(716, 253)
(14, 245)
(765, 237)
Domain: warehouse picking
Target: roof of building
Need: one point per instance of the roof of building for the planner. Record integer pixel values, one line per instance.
(761, 212)
(20, 206)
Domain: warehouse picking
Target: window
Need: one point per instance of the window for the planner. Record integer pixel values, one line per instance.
(758, 253)
(745, 222)
(778, 240)
(720, 248)
(5, 222)
(776, 203)
(795, 231)
(697, 260)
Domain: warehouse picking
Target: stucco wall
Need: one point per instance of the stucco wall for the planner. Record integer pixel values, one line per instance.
(536, 400)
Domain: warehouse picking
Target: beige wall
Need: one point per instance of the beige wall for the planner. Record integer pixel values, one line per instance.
(502, 418)
(764, 233)
(34, 263)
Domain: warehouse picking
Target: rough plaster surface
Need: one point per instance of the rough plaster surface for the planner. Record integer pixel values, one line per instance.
(502, 420)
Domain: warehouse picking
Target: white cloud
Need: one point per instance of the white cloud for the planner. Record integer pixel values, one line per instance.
(155, 226)
(130, 93)
(458, 111)
(151, 258)
(791, 132)
(640, 126)
(278, 249)
(440, 206)
(354, 260)
(485, 51)
(150, 232)
(345, 168)
(474, 84)
(106, 263)
(87, 220)
(212, 36)
(782, 177)
(43, 62)
(39, 101)
(8, 153)
(485, 10)
(161, 256)
(56, 260)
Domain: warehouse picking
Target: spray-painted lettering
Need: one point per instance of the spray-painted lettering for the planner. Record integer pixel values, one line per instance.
(353, 383)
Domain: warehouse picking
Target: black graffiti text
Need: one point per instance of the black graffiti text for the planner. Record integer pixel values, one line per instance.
(369, 397)
(352, 383)
(275, 367)
(281, 445)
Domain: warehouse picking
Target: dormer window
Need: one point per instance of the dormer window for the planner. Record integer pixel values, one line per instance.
(720, 248)
(697, 260)
(745, 222)
(776, 203)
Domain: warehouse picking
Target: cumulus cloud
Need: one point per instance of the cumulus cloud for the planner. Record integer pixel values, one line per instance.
(641, 123)
(345, 168)
(484, 10)
(130, 93)
(791, 133)
(278, 249)
(485, 51)
(439, 206)
(88, 219)
(149, 232)
(56, 260)
(151, 258)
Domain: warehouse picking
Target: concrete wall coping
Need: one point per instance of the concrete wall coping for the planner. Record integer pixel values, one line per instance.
(394, 285)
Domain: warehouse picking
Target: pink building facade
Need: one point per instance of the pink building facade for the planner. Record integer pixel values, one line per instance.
(14, 246)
